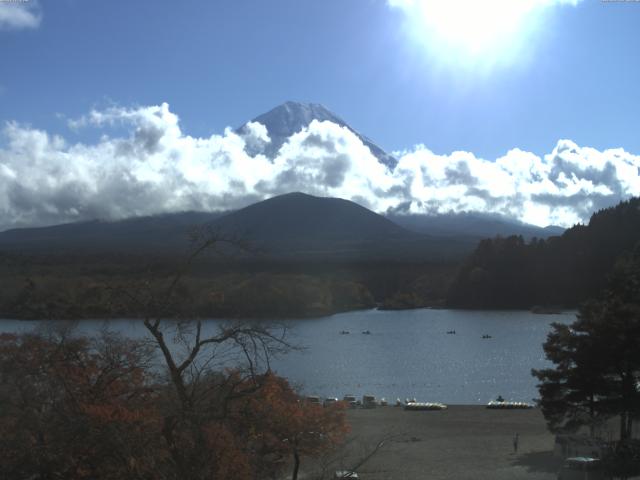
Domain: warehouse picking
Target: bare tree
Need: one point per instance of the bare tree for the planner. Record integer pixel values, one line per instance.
(196, 355)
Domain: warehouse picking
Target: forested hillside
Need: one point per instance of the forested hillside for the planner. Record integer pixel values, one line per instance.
(560, 271)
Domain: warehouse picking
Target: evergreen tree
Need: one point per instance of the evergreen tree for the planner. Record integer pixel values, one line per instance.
(597, 359)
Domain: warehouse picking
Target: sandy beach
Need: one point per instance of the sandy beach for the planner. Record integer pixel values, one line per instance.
(462, 442)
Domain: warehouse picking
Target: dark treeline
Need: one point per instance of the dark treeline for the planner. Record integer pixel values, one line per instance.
(596, 370)
(80, 286)
(559, 272)
(501, 273)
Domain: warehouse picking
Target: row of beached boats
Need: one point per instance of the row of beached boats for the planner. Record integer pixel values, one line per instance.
(370, 401)
(424, 406)
(504, 405)
(449, 332)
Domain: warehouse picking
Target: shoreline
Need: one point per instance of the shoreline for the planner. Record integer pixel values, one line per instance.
(303, 317)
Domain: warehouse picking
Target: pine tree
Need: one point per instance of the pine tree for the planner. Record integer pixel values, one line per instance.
(597, 359)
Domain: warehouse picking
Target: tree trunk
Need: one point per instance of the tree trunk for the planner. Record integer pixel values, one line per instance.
(296, 465)
(623, 426)
(628, 426)
(592, 417)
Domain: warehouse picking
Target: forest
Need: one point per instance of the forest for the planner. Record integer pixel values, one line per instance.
(596, 369)
(68, 287)
(502, 272)
(560, 272)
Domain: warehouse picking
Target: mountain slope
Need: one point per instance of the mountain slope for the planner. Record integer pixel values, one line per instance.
(297, 216)
(561, 271)
(476, 224)
(133, 235)
(302, 226)
(291, 226)
(291, 117)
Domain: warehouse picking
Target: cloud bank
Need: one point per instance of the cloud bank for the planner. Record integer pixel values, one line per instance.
(145, 164)
(16, 15)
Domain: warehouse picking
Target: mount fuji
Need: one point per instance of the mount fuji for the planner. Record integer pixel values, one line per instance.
(291, 117)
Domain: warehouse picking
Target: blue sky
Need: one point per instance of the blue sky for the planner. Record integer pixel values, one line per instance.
(220, 63)
(574, 76)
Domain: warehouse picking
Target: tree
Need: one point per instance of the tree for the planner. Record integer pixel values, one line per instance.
(80, 409)
(76, 408)
(226, 423)
(197, 401)
(287, 425)
(597, 360)
(199, 398)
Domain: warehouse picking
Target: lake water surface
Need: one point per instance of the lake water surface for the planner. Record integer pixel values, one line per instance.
(407, 354)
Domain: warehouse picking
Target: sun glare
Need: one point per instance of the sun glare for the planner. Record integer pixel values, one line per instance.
(473, 31)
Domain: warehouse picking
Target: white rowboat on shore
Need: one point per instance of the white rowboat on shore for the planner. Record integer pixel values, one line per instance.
(425, 406)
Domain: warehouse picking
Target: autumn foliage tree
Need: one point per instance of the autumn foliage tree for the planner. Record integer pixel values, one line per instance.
(285, 426)
(75, 408)
(192, 401)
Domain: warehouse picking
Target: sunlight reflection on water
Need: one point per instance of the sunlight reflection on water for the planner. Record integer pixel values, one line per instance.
(407, 354)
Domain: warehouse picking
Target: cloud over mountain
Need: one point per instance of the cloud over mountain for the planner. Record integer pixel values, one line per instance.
(144, 163)
(15, 15)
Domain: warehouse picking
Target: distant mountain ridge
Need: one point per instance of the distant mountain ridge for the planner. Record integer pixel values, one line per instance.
(290, 118)
(477, 224)
(293, 224)
(137, 234)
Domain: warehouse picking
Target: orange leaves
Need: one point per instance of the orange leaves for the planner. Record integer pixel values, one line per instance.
(76, 409)
(69, 411)
(109, 413)
(231, 460)
(289, 423)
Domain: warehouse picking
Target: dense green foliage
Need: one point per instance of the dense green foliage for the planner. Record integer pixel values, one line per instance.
(597, 360)
(560, 271)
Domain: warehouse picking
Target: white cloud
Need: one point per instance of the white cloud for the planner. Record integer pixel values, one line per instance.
(145, 164)
(15, 15)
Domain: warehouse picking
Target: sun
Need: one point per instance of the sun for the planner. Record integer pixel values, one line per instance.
(474, 31)
(474, 26)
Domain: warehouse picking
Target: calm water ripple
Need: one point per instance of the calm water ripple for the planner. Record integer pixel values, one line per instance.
(407, 354)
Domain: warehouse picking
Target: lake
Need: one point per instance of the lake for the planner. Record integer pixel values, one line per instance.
(407, 354)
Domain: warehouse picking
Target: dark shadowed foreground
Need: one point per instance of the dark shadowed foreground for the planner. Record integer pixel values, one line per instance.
(463, 442)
